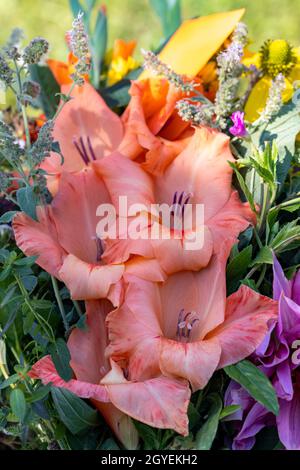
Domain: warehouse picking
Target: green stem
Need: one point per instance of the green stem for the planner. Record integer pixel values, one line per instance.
(60, 107)
(252, 271)
(262, 275)
(44, 325)
(60, 303)
(77, 307)
(284, 204)
(265, 207)
(23, 109)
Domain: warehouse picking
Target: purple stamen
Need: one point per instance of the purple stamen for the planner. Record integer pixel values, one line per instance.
(100, 248)
(81, 153)
(85, 150)
(180, 198)
(91, 149)
(184, 327)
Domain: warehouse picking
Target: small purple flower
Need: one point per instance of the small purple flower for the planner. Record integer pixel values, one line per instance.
(279, 360)
(238, 129)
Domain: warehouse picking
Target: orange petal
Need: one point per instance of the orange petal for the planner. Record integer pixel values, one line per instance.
(86, 115)
(45, 370)
(195, 362)
(230, 221)
(88, 361)
(75, 205)
(158, 402)
(124, 177)
(246, 323)
(123, 48)
(60, 71)
(87, 281)
(39, 239)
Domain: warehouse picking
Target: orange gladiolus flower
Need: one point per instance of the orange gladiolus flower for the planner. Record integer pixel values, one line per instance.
(86, 130)
(117, 397)
(200, 174)
(154, 133)
(186, 327)
(65, 240)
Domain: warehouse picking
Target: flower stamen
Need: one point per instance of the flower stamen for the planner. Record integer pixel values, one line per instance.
(85, 150)
(185, 325)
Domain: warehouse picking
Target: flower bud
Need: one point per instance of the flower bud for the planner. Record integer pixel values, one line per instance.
(35, 50)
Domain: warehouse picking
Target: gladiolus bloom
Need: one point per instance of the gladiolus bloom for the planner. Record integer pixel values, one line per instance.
(200, 175)
(86, 130)
(154, 133)
(185, 327)
(158, 401)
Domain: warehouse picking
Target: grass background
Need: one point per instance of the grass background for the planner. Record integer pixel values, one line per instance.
(134, 19)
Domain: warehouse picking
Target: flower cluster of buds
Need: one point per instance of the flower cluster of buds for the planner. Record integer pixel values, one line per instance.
(9, 148)
(79, 45)
(6, 74)
(43, 145)
(196, 114)
(35, 50)
(157, 67)
(229, 72)
(4, 182)
(274, 101)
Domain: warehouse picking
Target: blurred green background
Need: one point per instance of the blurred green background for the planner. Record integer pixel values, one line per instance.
(134, 19)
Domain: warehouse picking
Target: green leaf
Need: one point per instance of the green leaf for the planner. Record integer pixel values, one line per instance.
(208, 431)
(18, 404)
(237, 267)
(287, 238)
(82, 324)
(40, 393)
(117, 96)
(11, 380)
(99, 40)
(61, 358)
(7, 217)
(264, 257)
(109, 444)
(28, 200)
(26, 261)
(48, 99)
(244, 187)
(282, 129)
(76, 7)
(149, 435)
(229, 410)
(29, 282)
(169, 13)
(255, 382)
(73, 412)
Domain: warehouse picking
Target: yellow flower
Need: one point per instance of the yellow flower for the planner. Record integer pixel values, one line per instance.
(119, 68)
(275, 57)
(120, 60)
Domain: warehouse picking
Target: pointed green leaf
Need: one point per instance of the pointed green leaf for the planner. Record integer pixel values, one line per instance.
(255, 382)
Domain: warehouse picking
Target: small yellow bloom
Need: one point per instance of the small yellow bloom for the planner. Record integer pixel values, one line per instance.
(274, 57)
(120, 60)
(119, 68)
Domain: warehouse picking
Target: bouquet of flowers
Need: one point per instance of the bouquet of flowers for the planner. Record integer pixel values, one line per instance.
(149, 293)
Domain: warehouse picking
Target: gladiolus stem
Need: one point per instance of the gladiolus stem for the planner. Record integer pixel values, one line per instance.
(60, 303)
(77, 307)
